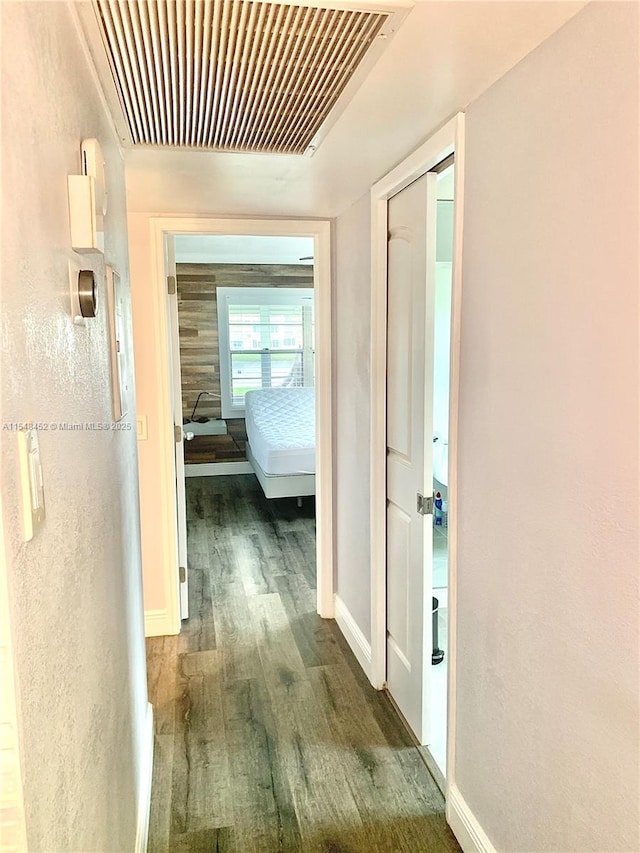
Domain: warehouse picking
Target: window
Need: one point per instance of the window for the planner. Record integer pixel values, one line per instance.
(266, 341)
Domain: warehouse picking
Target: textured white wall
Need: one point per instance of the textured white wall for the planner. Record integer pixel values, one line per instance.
(548, 691)
(352, 353)
(75, 590)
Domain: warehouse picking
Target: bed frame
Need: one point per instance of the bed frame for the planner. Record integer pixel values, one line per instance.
(282, 485)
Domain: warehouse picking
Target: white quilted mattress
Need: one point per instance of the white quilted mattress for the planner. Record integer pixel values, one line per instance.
(281, 428)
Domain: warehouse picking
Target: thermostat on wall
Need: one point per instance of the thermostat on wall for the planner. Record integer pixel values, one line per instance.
(84, 299)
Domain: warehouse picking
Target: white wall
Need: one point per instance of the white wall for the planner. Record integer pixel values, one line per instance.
(75, 591)
(352, 353)
(548, 690)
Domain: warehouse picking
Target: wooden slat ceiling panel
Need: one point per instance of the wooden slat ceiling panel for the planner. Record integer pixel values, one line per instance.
(231, 75)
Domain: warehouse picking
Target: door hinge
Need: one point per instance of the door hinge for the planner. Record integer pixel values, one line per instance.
(183, 574)
(171, 284)
(177, 433)
(424, 505)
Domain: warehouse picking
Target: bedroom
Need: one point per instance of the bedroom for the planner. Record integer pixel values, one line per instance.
(245, 315)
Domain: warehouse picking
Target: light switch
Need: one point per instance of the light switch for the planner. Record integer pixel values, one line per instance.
(141, 427)
(31, 482)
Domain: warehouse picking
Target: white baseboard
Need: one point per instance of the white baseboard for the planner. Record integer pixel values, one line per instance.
(146, 776)
(357, 641)
(471, 836)
(157, 624)
(215, 469)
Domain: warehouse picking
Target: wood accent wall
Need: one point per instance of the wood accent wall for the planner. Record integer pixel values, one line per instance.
(198, 320)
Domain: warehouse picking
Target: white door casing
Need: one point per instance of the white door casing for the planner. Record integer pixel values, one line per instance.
(162, 227)
(176, 406)
(410, 329)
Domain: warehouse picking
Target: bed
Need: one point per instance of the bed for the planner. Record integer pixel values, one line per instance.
(281, 446)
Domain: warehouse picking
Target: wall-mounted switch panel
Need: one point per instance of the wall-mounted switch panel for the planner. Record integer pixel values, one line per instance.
(141, 427)
(31, 482)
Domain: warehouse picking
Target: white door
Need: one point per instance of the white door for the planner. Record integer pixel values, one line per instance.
(176, 399)
(411, 289)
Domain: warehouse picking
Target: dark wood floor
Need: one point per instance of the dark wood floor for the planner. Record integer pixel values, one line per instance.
(218, 448)
(268, 735)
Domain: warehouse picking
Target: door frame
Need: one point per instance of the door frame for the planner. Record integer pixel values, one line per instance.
(178, 446)
(163, 227)
(448, 140)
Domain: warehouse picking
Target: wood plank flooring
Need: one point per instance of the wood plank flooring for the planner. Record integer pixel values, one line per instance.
(218, 448)
(268, 736)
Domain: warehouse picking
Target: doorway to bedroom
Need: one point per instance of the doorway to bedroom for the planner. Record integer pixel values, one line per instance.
(246, 328)
(248, 316)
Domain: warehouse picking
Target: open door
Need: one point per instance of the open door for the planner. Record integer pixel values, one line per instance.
(176, 404)
(410, 338)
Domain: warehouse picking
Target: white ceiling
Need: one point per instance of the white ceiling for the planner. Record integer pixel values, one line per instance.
(444, 55)
(237, 249)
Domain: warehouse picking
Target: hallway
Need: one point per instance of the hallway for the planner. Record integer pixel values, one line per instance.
(268, 735)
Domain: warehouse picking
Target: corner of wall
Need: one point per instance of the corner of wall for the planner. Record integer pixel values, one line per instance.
(356, 640)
